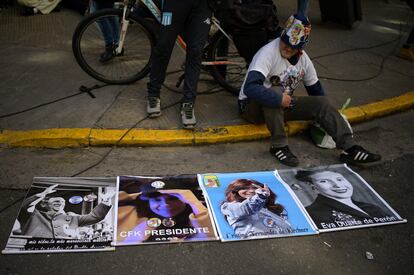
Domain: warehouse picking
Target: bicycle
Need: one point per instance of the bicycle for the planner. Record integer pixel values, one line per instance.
(136, 42)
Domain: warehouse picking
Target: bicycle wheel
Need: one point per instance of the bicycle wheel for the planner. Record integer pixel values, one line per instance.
(129, 66)
(230, 74)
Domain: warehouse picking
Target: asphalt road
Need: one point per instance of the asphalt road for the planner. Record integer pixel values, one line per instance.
(329, 253)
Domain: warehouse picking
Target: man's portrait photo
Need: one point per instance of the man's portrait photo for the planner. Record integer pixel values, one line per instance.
(66, 213)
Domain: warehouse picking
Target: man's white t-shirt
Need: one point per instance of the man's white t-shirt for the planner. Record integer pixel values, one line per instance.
(270, 63)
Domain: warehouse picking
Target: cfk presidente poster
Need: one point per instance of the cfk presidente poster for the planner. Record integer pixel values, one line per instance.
(337, 198)
(254, 205)
(62, 214)
(162, 210)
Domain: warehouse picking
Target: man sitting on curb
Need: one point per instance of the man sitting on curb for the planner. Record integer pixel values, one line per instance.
(282, 63)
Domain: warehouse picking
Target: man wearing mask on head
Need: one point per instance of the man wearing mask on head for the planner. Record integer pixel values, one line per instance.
(267, 95)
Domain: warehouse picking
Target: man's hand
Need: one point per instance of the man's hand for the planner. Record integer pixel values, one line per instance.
(107, 196)
(47, 191)
(286, 100)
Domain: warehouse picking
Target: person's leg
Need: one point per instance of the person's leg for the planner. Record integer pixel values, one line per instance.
(112, 26)
(196, 31)
(274, 118)
(103, 24)
(109, 28)
(251, 111)
(319, 109)
(174, 15)
(410, 40)
(275, 122)
(407, 51)
(303, 7)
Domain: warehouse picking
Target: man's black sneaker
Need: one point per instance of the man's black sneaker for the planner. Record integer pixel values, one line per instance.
(110, 53)
(358, 155)
(107, 55)
(284, 155)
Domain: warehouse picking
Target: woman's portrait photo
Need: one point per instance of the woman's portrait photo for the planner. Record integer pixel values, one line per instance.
(254, 205)
(337, 198)
(172, 211)
(251, 209)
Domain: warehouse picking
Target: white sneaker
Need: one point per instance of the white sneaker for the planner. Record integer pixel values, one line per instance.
(153, 106)
(187, 115)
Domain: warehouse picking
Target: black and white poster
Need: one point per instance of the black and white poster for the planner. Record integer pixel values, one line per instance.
(66, 215)
(337, 198)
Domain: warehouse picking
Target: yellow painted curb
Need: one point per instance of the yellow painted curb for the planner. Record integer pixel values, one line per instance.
(81, 137)
(354, 114)
(230, 134)
(388, 106)
(140, 137)
(48, 138)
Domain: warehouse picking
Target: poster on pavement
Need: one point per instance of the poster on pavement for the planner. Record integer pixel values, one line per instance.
(65, 214)
(254, 205)
(162, 210)
(337, 198)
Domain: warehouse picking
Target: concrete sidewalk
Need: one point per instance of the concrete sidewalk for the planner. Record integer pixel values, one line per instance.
(38, 67)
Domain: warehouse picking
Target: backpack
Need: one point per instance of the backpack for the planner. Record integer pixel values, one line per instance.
(252, 24)
(253, 15)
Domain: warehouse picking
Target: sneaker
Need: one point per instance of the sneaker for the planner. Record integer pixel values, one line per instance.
(153, 106)
(187, 115)
(358, 155)
(407, 53)
(284, 155)
(27, 11)
(108, 55)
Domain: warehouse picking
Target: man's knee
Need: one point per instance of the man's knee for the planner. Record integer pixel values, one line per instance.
(253, 119)
(323, 105)
(274, 112)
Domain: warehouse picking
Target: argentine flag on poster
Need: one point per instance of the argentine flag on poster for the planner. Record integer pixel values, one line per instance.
(166, 18)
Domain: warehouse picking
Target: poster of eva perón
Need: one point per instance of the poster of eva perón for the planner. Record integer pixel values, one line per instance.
(337, 198)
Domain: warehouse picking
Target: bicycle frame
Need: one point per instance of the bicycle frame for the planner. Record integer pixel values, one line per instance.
(155, 11)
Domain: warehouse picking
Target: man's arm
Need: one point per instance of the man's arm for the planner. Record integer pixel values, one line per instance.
(315, 89)
(97, 215)
(100, 211)
(254, 89)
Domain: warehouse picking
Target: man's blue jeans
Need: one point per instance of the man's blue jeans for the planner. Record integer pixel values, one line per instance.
(110, 27)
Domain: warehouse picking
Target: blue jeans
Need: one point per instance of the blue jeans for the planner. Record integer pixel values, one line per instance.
(110, 27)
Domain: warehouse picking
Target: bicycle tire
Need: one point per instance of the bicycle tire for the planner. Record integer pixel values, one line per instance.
(88, 44)
(230, 76)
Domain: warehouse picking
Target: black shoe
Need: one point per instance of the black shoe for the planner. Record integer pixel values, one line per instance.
(108, 55)
(27, 11)
(358, 155)
(284, 155)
